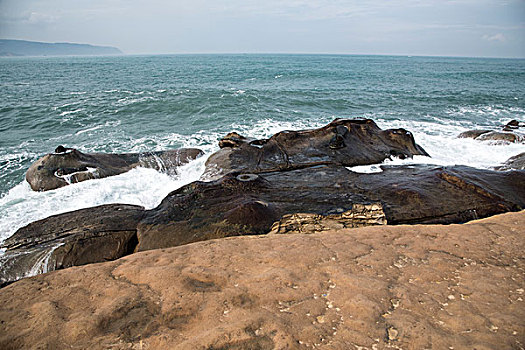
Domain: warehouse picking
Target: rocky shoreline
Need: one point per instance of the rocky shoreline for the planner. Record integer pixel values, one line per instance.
(403, 287)
(296, 182)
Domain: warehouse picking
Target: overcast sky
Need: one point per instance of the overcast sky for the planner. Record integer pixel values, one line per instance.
(492, 28)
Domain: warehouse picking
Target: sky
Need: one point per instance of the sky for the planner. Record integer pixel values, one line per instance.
(476, 28)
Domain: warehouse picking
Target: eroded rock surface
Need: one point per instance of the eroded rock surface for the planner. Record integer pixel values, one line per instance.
(68, 165)
(296, 181)
(91, 235)
(404, 287)
(241, 204)
(345, 142)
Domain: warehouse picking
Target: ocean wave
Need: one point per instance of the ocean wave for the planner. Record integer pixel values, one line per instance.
(128, 101)
(63, 114)
(100, 126)
(140, 186)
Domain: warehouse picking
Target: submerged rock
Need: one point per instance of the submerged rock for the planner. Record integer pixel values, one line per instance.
(345, 142)
(91, 235)
(68, 165)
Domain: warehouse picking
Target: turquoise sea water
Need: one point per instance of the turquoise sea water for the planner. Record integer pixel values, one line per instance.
(145, 103)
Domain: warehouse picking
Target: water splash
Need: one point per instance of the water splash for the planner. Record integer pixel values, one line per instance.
(139, 186)
(42, 265)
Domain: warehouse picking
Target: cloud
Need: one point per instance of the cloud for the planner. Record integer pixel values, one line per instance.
(29, 18)
(496, 37)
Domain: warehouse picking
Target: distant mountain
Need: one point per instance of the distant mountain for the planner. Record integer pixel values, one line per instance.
(34, 48)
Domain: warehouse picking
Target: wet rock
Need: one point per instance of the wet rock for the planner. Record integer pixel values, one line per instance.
(342, 142)
(517, 163)
(337, 289)
(473, 133)
(508, 133)
(500, 136)
(327, 197)
(233, 139)
(80, 237)
(512, 125)
(68, 165)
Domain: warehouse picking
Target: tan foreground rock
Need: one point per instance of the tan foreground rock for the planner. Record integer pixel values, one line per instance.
(400, 287)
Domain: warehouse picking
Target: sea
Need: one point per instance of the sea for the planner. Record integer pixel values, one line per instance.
(119, 104)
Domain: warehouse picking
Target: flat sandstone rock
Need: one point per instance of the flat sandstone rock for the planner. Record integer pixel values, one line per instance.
(403, 287)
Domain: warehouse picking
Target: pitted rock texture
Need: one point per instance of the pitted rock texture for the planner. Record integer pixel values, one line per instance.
(402, 287)
(345, 142)
(68, 165)
(359, 216)
(247, 204)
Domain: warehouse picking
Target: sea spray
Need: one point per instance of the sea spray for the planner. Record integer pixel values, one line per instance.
(140, 186)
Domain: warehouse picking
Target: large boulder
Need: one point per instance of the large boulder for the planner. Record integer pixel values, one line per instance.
(68, 165)
(91, 235)
(241, 204)
(396, 287)
(345, 142)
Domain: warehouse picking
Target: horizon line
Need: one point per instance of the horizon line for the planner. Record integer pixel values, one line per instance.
(271, 53)
(253, 53)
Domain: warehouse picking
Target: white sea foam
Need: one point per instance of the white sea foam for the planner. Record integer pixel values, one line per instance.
(89, 129)
(66, 105)
(99, 126)
(148, 187)
(129, 100)
(445, 148)
(71, 112)
(140, 186)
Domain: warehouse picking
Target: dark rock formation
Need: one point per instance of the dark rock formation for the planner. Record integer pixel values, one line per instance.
(395, 287)
(342, 142)
(517, 163)
(512, 125)
(293, 182)
(68, 165)
(303, 200)
(90, 235)
(508, 133)
(240, 204)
